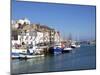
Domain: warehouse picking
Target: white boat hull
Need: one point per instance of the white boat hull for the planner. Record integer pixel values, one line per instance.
(26, 56)
(78, 46)
(65, 49)
(19, 50)
(75, 46)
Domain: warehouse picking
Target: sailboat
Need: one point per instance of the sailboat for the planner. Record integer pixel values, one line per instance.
(67, 47)
(75, 44)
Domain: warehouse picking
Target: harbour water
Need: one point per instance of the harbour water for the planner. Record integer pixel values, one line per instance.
(82, 58)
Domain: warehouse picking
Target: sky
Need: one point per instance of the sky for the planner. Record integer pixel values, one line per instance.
(79, 21)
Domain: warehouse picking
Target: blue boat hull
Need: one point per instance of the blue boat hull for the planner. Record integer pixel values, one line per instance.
(56, 50)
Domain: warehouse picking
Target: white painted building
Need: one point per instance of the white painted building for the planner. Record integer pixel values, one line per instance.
(31, 36)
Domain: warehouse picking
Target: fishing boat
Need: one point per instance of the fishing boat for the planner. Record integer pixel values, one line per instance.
(26, 55)
(30, 52)
(57, 45)
(56, 49)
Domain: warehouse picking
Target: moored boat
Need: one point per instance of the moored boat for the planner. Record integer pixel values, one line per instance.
(24, 56)
(75, 45)
(56, 49)
(67, 49)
